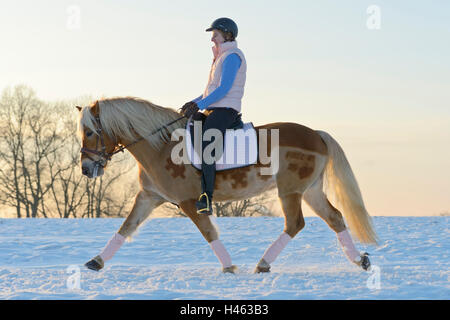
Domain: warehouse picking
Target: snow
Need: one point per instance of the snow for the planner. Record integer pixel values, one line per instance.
(169, 259)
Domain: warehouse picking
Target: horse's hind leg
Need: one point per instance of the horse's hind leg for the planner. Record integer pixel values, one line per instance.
(294, 222)
(318, 201)
(210, 233)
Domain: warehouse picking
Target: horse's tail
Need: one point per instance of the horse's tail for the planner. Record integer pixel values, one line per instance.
(339, 179)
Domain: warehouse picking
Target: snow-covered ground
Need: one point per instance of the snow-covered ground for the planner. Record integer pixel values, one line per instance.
(169, 259)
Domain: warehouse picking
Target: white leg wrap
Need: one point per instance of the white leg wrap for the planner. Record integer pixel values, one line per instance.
(221, 253)
(111, 248)
(274, 250)
(348, 246)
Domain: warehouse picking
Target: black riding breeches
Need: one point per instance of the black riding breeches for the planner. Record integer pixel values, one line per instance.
(221, 119)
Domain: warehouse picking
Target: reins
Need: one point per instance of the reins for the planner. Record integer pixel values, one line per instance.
(150, 134)
(106, 156)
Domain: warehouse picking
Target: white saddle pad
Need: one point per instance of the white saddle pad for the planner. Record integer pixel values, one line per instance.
(240, 148)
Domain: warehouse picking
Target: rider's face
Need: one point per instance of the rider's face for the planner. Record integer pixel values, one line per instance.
(217, 37)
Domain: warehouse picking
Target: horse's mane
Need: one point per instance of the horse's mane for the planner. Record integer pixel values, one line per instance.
(130, 117)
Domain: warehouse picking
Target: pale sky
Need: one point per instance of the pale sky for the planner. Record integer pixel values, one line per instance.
(383, 94)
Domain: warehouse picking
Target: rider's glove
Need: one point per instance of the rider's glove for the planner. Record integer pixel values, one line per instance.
(189, 109)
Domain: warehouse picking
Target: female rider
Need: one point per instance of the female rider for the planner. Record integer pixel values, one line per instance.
(221, 100)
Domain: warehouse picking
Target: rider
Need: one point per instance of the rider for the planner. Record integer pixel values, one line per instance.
(221, 100)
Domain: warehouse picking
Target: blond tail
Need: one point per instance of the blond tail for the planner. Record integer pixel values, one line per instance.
(340, 181)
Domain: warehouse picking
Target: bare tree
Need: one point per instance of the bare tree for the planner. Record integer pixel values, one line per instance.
(12, 136)
(39, 163)
(172, 210)
(256, 206)
(103, 196)
(29, 138)
(67, 188)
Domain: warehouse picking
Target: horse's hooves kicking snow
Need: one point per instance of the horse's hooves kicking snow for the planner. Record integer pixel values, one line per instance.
(95, 264)
(231, 269)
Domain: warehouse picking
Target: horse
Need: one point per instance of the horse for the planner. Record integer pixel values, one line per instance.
(312, 166)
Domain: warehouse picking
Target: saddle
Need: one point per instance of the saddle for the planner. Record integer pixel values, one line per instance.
(240, 146)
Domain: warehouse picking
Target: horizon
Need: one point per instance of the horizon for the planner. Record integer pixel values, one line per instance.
(382, 91)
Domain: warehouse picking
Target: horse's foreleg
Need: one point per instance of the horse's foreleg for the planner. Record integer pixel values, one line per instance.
(144, 204)
(210, 233)
(294, 222)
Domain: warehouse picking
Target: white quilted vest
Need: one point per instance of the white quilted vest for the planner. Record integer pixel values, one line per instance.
(234, 96)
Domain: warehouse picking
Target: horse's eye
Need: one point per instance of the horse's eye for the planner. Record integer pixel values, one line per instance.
(89, 133)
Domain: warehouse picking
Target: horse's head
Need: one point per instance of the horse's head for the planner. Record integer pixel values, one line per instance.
(97, 147)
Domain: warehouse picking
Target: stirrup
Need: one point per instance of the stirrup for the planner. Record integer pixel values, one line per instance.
(202, 207)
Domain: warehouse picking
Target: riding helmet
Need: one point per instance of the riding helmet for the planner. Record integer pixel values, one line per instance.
(225, 25)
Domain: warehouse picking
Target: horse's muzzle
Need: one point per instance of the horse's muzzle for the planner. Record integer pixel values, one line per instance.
(85, 170)
(91, 169)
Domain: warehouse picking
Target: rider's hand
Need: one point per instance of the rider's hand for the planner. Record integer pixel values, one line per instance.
(183, 108)
(189, 109)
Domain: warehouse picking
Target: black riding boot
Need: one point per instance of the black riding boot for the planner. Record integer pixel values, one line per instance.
(221, 119)
(204, 203)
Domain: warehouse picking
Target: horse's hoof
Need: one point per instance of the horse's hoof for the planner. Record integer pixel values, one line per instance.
(95, 264)
(364, 262)
(262, 266)
(259, 269)
(231, 269)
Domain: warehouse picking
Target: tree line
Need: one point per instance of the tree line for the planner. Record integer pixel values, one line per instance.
(40, 173)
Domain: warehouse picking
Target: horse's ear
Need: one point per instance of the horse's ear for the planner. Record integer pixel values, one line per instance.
(79, 108)
(95, 108)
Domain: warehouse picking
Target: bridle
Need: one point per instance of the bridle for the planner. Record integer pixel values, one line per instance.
(103, 154)
(106, 156)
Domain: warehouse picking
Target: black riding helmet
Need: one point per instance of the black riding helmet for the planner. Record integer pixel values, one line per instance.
(225, 25)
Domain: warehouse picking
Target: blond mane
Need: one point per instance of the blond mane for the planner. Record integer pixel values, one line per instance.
(130, 118)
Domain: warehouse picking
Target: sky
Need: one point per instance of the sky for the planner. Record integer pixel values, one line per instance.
(377, 81)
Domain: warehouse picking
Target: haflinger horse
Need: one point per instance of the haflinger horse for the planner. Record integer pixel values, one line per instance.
(311, 165)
